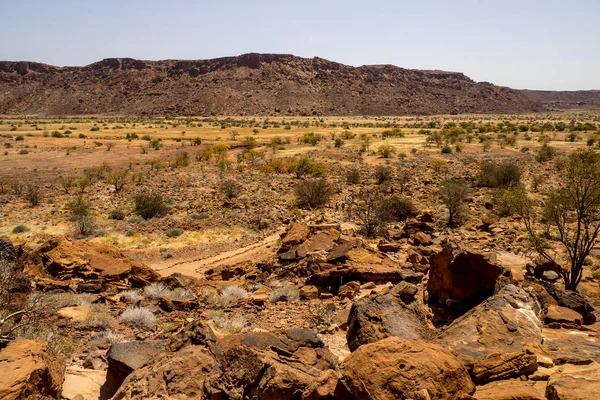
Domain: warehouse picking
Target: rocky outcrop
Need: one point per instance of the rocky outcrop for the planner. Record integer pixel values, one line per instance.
(326, 259)
(249, 84)
(290, 364)
(28, 371)
(377, 317)
(503, 323)
(77, 261)
(462, 280)
(396, 368)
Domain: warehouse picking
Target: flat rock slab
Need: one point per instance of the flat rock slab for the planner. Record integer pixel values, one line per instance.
(572, 346)
(575, 382)
(511, 390)
(82, 382)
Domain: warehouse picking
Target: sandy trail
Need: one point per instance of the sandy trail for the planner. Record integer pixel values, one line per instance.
(255, 252)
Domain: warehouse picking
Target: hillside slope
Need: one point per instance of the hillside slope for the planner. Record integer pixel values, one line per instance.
(250, 84)
(565, 99)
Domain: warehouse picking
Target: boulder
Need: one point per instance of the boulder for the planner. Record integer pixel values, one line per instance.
(499, 366)
(511, 390)
(396, 368)
(63, 259)
(377, 317)
(28, 371)
(464, 279)
(123, 359)
(503, 323)
(575, 382)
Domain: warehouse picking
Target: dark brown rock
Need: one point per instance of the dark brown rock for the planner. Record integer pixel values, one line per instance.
(464, 279)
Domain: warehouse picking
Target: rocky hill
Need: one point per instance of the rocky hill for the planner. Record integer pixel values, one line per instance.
(565, 99)
(250, 84)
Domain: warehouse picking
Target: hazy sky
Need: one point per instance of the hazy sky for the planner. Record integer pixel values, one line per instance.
(536, 44)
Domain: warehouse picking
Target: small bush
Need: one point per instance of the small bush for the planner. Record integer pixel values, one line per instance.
(313, 193)
(149, 205)
(285, 293)
(20, 229)
(99, 320)
(504, 175)
(454, 194)
(175, 232)
(382, 174)
(386, 150)
(232, 324)
(33, 195)
(353, 176)
(231, 189)
(131, 296)
(139, 317)
(181, 293)
(446, 150)
(545, 154)
(117, 215)
(397, 208)
(234, 293)
(156, 290)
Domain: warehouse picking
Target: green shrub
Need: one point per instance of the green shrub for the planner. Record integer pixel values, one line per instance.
(396, 208)
(117, 215)
(505, 175)
(545, 154)
(175, 232)
(353, 176)
(382, 174)
(20, 229)
(313, 193)
(149, 205)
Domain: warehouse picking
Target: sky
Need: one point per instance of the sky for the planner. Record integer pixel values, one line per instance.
(525, 44)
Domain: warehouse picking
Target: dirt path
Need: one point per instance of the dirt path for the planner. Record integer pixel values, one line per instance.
(255, 252)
